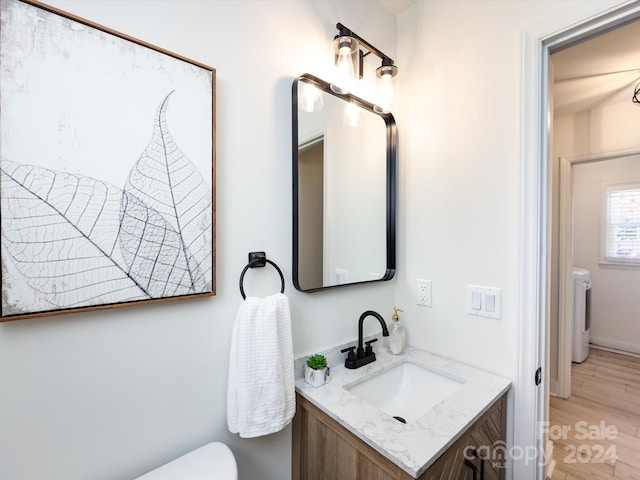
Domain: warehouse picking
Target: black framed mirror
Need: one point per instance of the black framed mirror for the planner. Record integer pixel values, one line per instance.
(344, 188)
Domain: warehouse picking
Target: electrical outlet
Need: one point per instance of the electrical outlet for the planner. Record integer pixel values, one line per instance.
(424, 292)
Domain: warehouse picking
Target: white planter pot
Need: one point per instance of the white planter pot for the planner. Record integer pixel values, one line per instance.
(316, 378)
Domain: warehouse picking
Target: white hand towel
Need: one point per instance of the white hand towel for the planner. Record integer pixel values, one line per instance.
(261, 390)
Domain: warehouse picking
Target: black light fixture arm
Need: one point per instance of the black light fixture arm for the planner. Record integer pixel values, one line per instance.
(346, 32)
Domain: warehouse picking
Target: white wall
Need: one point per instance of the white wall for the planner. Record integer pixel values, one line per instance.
(460, 139)
(112, 394)
(460, 171)
(614, 294)
(459, 214)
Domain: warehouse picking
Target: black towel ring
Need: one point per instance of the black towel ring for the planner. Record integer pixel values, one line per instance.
(258, 259)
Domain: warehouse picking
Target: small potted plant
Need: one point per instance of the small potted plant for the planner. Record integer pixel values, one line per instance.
(316, 371)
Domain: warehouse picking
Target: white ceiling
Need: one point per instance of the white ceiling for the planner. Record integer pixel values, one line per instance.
(596, 72)
(396, 6)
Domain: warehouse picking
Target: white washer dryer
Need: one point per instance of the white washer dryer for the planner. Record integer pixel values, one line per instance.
(581, 314)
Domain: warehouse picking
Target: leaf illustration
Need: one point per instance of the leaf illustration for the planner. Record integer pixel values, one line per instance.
(61, 231)
(166, 180)
(153, 250)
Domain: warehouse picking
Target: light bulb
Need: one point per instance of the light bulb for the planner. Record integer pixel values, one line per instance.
(385, 94)
(345, 65)
(351, 115)
(345, 48)
(385, 73)
(309, 98)
(386, 91)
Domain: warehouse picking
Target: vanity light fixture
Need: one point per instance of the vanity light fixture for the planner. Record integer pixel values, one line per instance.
(349, 59)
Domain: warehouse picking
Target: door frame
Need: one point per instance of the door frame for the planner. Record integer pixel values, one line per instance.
(529, 398)
(565, 274)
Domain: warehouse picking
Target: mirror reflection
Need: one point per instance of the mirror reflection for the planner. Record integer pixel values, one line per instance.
(344, 157)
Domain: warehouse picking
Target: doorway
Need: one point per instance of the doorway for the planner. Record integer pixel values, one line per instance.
(590, 104)
(532, 396)
(594, 127)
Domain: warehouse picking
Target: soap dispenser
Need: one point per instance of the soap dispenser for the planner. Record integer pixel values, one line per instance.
(396, 334)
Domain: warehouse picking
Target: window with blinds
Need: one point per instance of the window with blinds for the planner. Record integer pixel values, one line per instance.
(622, 229)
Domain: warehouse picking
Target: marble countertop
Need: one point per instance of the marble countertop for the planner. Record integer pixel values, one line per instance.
(416, 445)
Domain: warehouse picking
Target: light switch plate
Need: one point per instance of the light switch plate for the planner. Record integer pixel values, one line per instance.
(484, 301)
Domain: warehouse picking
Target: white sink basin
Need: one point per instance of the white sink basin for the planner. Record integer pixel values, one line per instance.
(405, 391)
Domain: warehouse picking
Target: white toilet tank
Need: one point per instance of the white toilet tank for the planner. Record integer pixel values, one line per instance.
(213, 461)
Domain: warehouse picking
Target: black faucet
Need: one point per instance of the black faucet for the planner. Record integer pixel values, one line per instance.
(364, 356)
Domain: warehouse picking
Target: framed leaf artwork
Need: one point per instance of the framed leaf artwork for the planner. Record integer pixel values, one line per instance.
(107, 164)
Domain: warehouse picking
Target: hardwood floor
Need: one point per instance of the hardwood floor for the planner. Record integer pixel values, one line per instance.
(596, 432)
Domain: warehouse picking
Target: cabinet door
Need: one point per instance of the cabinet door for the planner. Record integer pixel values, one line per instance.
(451, 465)
(328, 454)
(324, 450)
(486, 437)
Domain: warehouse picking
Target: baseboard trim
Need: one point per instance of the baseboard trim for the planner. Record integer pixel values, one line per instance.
(615, 346)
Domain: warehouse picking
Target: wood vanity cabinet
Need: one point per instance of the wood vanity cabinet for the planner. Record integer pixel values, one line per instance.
(325, 450)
